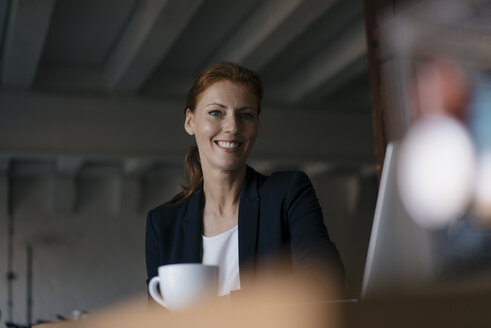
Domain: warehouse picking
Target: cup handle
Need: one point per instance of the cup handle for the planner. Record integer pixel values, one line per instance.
(152, 288)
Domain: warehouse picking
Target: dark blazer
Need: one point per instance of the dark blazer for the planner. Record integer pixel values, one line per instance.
(279, 218)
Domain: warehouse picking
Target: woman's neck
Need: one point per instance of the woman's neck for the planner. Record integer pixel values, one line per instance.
(222, 189)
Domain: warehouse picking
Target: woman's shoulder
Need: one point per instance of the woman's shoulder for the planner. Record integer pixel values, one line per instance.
(165, 213)
(285, 187)
(283, 181)
(285, 178)
(162, 209)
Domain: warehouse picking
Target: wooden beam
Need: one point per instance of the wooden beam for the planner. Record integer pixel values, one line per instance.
(28, 25)
(148, 37)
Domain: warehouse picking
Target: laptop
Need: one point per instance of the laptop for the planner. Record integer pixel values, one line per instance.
(400, 254)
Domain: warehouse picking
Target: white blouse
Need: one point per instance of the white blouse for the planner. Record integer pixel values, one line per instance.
(223, 250)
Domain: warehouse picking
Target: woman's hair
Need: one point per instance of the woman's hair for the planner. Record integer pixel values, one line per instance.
(218, 72)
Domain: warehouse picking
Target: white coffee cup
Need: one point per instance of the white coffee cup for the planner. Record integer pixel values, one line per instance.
(184, 285)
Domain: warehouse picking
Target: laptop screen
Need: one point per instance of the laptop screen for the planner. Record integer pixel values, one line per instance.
(404, 257)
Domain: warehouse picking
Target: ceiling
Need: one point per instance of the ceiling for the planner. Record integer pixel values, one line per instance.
(307, 51)
(67, 63)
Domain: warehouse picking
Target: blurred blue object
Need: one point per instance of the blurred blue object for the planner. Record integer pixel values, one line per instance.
(480, 114)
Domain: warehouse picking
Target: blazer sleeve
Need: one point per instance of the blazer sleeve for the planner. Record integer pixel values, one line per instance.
(152, 248)
(311, 247)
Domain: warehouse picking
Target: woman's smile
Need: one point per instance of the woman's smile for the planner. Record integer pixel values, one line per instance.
(228, 146)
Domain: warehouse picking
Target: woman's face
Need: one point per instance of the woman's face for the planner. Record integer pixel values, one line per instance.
(225, 125)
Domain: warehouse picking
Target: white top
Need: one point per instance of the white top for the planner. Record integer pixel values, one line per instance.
(223, 250)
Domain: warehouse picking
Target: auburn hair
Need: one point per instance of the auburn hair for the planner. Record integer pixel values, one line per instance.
(218, 72)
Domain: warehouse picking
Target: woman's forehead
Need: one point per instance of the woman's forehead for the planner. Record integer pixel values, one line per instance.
(228, 91)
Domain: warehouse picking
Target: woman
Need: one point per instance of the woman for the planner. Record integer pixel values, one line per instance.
(230, 215)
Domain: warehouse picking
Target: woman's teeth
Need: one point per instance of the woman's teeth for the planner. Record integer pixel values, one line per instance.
(228, 144)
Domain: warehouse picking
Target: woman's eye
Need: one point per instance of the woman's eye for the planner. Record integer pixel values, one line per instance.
(215, 113)
(246, 116)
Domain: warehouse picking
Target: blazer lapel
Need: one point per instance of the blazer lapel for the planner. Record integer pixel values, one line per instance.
(189, 242)
(188, 245)
(248, 224)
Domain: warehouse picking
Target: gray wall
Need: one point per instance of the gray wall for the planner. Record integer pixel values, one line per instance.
(348, 202)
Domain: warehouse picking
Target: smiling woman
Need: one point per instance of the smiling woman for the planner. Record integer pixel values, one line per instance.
(229, 215)
(225, 124)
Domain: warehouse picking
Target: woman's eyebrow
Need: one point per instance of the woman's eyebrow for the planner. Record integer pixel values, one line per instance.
(216, 104)
(246, 108)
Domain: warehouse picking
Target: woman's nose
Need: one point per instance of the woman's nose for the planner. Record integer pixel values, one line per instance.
(231, 124)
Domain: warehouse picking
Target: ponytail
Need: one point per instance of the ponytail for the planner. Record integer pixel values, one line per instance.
(194, 175)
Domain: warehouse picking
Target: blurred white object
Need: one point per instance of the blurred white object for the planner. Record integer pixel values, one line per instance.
(482, 201)
(436, 171)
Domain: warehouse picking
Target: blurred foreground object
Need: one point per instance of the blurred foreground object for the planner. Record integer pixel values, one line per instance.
(436, 171)
(289, 302)
(441, 88)
(431, 84)
(480, 125)
(482, 201)
(446, 104)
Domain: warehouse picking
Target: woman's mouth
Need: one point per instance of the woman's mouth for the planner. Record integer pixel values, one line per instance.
(228, 145)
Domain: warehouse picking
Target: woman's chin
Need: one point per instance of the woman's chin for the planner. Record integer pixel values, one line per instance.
(231, 167)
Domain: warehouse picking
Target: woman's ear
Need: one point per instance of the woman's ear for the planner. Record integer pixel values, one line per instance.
(189, 122)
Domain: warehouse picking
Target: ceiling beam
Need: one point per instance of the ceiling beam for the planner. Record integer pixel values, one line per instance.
(28, 25)
(61, 79)
(343, 78)
(270, 29)
(152, 31)
(338, 57)
(265, 20)
(142, 128)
